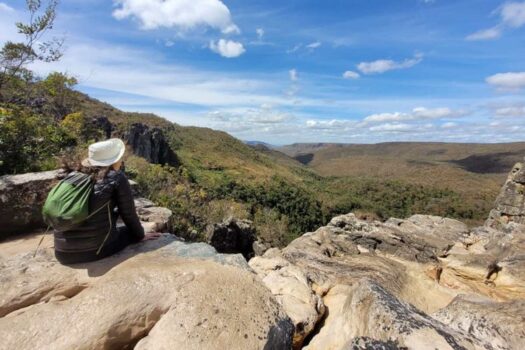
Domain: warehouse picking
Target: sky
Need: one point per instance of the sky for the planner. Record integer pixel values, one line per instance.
(351, 71)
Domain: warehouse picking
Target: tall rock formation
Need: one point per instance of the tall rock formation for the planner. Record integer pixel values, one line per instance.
(509, 211)
(151, 144)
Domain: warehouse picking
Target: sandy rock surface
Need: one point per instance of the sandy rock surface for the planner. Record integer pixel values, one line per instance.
(162, 294)
(396, 284)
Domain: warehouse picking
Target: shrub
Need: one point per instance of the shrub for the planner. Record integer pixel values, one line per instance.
(29, 142)
(81, 128)
(271, 227)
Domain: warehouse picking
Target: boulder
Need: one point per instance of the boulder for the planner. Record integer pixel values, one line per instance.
(369, 312)
(21, 200)
(294, 292)
(162, 294)
(156, 219)
(232, 236)
(500, 326)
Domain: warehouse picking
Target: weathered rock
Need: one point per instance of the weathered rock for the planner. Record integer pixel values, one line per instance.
(259, 248)
(150, 144)
(134, 188)
(104, 125)
(294, 292)
(161, 294)
(490, 263)
(499, 326)
(366, 343)
(425, 261)
(368, 310)
(352, 284)
(21, 200)
(232, 236)
(156, 219)
(509, 210)
(421, 237)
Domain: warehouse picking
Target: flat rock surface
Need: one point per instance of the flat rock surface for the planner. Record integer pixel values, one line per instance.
(163, 294)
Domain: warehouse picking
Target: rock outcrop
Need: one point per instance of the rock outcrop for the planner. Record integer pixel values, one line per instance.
(509, 211)
(151, 144)
(424, 282)
(163, 294)
(22, 197)
(103, 124)
(232, 236)
(21, 200)
(498, 325)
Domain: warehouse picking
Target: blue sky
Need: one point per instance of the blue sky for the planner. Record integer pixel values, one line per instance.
(357, 71)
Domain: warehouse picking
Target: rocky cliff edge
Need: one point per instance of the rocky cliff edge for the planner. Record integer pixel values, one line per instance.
(425, 282)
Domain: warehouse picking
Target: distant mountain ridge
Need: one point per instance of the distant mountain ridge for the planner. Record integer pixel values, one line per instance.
(260, 143)
(480, 158)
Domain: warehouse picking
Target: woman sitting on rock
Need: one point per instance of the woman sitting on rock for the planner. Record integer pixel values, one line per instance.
(99, 236)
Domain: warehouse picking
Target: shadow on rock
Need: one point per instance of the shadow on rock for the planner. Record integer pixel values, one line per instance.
(101, 267)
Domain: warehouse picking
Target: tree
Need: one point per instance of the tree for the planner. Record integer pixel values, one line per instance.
(15, 56)
(57, 90)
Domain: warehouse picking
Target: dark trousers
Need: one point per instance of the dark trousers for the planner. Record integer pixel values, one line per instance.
(123, 240)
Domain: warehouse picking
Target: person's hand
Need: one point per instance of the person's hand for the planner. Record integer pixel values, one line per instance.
(151, 236)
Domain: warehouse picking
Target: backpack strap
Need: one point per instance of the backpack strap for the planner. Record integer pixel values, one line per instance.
(41, 240)
(110, 227)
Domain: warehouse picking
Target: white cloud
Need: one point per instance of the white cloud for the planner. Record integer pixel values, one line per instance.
(260, 33)
(449, 125)
(381, 66)
(5, 8)
(350, 75)
(339, 124)
(393, 127)
(314, 45)
(418, 113)
(507, 81)
(138, 72)
(252, 117)
(436, 113)
(294, 49)
(294, 76)
(485, 34)
(384, 117)
(182, 15)
(227, 48)
(512, 15)
(513, 111)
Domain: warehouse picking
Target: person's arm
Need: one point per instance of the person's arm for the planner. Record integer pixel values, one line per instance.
(126, 208)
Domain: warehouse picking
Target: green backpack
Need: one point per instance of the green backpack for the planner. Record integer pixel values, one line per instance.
(67, 204)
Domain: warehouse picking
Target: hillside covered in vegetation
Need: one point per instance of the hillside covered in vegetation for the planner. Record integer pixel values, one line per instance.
(217, 176)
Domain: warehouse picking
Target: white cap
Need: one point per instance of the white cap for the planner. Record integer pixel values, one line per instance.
(105, 153)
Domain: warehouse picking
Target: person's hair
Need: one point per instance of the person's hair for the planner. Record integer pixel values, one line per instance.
(96, 172)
